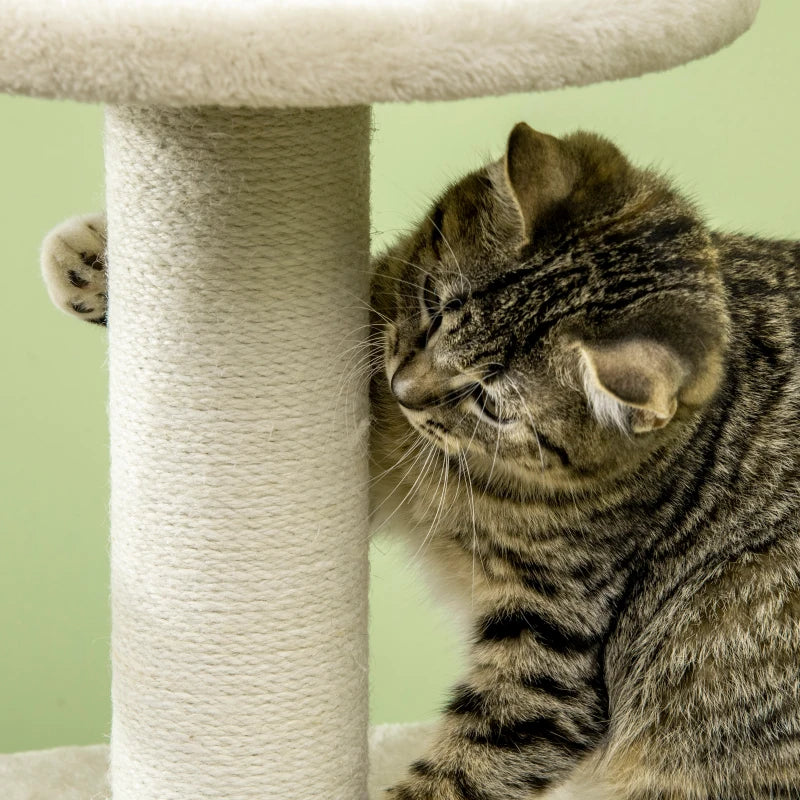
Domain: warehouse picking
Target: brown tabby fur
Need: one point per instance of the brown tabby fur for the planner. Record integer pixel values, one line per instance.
(634, 596)
(598, 455)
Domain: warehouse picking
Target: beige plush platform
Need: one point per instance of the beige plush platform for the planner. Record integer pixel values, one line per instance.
(342, 52)
(79, 773)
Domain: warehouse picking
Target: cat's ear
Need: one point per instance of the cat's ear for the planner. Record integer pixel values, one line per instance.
(539, 172)
(632, 383)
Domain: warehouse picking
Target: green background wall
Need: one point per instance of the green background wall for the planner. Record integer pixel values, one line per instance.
(726, 128)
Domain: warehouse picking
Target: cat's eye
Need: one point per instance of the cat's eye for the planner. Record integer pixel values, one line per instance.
(435, 308)
(486, 405)
(436, 323)
(494, 372)
(430, 298)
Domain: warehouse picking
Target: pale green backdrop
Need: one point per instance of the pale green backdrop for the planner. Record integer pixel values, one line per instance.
(726, 128)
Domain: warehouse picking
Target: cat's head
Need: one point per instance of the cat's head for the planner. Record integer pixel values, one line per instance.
(556, 317)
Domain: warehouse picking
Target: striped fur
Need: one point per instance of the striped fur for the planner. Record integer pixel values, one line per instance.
(631, 581)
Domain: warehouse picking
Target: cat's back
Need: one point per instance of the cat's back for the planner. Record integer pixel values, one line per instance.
(759, 400)
(760, 274)
(709, 628)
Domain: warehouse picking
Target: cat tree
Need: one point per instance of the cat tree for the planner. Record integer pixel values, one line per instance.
(237, 155)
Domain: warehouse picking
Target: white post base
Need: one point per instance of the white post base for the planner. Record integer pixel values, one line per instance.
(79, 773)
(238, 258)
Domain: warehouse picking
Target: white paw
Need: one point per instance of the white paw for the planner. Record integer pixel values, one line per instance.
(74, 268)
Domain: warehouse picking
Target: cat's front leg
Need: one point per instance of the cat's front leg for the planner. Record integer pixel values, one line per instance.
(74, 267)
(532, 708)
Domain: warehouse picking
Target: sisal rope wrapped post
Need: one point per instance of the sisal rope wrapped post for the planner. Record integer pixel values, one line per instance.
(238, 251)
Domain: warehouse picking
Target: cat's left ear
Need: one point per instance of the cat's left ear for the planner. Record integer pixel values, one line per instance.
(539, 171)
(632, 383)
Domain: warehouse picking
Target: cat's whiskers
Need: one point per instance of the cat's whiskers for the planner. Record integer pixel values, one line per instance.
(412, 264)
(362, 363)
(350, 333)
(471, 497)
(368, 348)
(429, 535)
(368, 345)
(452, 252)
(424, 445)
(474, 429)
(416, 449)
(412, 284)
(496, 447)
(427, 273)
(462, 454)
(412, 298)
(360, 372)
(405, 445)
(367, 306)
(367, 361)
(446, 473)
(373, 337)
(360, 366)
(364, 303)
(420, 479)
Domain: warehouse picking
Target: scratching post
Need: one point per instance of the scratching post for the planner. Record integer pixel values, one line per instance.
(238, 254)
(238, 241)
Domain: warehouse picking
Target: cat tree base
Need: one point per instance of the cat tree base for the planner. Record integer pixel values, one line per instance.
(79, 773)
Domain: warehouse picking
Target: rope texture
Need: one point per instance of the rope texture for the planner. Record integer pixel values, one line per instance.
(238, 258)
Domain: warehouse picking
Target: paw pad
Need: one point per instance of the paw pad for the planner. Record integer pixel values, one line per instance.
(73, 267)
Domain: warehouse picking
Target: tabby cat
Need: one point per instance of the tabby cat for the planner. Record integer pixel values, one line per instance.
(587, 410)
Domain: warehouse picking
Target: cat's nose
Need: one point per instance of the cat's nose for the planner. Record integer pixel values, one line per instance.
(409, 393)
(417, 384)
